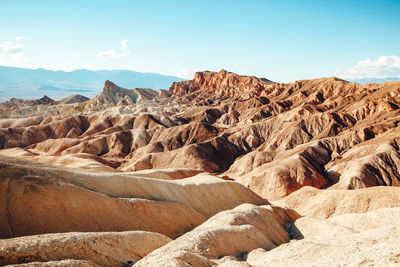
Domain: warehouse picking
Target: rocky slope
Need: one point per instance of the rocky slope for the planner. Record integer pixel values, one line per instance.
(305, 133)
(97, 247)
(232, 232)
(74, 99)
(184, 162)
(37, 199)
(338, 242)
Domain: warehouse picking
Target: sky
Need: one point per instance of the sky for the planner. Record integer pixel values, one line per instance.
(279, 40)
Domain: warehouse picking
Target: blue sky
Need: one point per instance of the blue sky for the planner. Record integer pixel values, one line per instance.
(279, 40)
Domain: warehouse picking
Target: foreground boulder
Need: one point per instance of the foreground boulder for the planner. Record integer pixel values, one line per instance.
(233, 232)
(34, 205)
(104, 248)
(37, 199)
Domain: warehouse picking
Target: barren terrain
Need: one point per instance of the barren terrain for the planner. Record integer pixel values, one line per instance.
(220, 170)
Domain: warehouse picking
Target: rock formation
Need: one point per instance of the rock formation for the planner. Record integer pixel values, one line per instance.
(273, 138)
(233, 232)
(97, 247)
(346, 244)
(323, 204)
(223, 83)
(38, 199)
(74, 99)
(198, 166)
(17, 102)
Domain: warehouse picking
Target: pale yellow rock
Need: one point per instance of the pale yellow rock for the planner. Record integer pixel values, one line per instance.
(42, 203)
(232, 232)
(308, 227)
(166, 174)
(206, 194)
(79, 160)
(379, 218)
(105, 249)
(62, 263)
(370, 243)
(232, 263)
(327, 203)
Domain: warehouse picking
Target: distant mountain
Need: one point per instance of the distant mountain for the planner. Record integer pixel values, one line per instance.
(33, 83)
(74, 99)
(54, 88)
(373, 80)
(17, 102)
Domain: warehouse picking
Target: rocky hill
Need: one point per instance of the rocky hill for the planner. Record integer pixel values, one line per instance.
(182, 163)
(17, 103)
(74, 99)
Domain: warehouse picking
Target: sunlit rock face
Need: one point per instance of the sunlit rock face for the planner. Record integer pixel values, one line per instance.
(193, 174)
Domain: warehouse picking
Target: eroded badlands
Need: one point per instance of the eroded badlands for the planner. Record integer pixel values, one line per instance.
(221, 170)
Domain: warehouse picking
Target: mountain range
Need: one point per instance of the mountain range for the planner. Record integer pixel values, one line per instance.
(33, 83)
(374, 80)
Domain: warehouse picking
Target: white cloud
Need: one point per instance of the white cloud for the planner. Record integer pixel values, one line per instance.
(187, 73)
(124, 44)
(245, 72)
(18, 58)
(78, 54)
(125, 49)
(12, 54)
(383, 67)
(9, 48)
(18, 38)
(107, 54)
(113, 54)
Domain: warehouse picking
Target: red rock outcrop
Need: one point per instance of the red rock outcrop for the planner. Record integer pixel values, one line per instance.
(223, 83)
